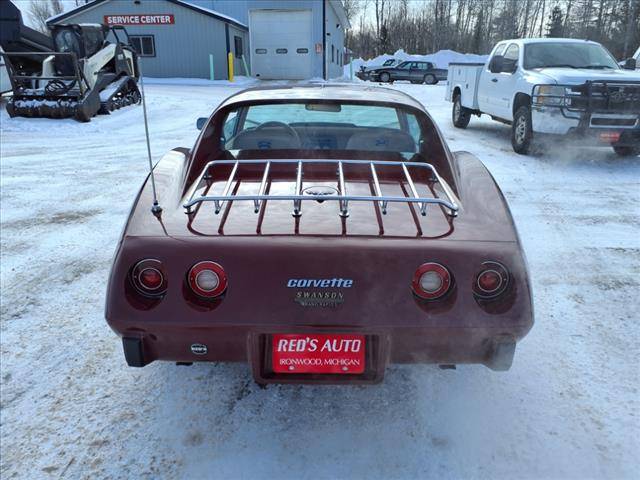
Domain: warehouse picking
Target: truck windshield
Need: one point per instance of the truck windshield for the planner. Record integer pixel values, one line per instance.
(567, 55)
(322, 126)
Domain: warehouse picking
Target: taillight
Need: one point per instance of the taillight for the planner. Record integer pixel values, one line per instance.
(431, 281)
(207, 279)
(148, 278)
(491, 281)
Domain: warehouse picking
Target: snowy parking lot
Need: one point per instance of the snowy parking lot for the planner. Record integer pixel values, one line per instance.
(71, 408)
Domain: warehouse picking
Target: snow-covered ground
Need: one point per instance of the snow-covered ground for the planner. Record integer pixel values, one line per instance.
(72, 409)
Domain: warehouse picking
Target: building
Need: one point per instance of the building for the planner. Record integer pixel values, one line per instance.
(273, 39)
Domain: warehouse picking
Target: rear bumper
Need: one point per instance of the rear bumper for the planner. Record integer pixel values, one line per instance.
(492, 347)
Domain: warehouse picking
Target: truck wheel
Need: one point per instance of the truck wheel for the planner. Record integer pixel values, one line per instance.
(459, 114)
(430, 79)
(521, 131)
(627, 151)
(385, 77)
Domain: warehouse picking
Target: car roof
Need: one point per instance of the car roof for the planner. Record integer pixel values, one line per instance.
(324, 92)
(527, 41)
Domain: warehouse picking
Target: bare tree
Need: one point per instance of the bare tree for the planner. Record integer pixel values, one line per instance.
(351, 8)
(632, 24)
(474, 26)
(41, 10)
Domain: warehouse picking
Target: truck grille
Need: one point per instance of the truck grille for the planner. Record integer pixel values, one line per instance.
(606, 97)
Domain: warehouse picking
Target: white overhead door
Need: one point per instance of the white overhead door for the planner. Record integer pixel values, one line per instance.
(281, 44)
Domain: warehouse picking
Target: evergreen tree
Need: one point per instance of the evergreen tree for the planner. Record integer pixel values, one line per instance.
(555, 24)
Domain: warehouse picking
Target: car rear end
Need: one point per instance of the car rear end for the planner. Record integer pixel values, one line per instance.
(324, 295)
(398, 301)
(363, 73)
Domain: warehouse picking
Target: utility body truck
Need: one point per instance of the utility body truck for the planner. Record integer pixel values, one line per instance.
(554, 86)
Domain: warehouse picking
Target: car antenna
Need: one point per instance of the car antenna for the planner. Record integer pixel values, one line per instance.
(156, 208)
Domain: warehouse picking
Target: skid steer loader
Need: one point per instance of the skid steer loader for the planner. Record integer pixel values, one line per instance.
(94, 69)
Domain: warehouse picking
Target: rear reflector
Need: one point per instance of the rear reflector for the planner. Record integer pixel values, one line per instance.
(491, 281)
(207, 279)
(431, 281)
(148, 278)
(609, 137)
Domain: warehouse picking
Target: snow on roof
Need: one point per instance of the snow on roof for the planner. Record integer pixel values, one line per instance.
(183, 3)
(338, 7)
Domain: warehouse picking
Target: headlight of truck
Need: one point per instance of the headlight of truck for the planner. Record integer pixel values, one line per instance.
(549, 95)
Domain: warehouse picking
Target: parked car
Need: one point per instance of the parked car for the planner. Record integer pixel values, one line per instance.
(415, 72)
(555, 86)
(363, 74)
(320, 233)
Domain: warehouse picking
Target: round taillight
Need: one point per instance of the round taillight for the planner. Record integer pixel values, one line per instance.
(207, 279)
(148, 278)
(431, 281)
(491, 281)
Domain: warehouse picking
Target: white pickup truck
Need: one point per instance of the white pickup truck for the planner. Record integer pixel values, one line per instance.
(551, 86)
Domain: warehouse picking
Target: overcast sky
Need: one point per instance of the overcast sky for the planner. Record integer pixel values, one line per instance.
(23, 5)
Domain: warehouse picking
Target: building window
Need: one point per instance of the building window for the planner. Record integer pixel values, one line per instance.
(281, 50)
(145, 45)
(237, 42)
(302, 50)
(332, 54)
(261, 51)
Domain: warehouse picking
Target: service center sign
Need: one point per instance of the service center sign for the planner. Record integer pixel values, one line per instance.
(142, 19)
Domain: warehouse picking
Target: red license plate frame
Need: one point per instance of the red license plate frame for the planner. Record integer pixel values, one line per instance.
(326, 354)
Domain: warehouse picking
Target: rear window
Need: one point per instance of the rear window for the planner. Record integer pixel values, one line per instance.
(358, 115)
(323, 126)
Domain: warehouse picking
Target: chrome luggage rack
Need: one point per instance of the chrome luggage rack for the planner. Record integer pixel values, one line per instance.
(343, 198)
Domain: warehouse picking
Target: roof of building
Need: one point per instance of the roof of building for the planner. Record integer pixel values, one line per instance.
(338, 7)
(205, 11)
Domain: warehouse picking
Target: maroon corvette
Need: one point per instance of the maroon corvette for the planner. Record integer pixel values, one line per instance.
(320, 233)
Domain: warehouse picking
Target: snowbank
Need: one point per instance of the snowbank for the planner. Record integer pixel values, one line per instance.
(441, 59)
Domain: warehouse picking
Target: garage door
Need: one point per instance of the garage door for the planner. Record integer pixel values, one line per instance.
(281, 46)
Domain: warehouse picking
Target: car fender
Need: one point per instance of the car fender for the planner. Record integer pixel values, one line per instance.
(169, 173)
(463, 98)
(483, 203)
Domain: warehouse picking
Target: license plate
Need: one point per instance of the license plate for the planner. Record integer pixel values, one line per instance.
(334, 354)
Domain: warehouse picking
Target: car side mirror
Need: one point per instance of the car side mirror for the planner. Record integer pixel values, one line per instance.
(201, 122)
(496, 64)
(630, 64)
(510, 67)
